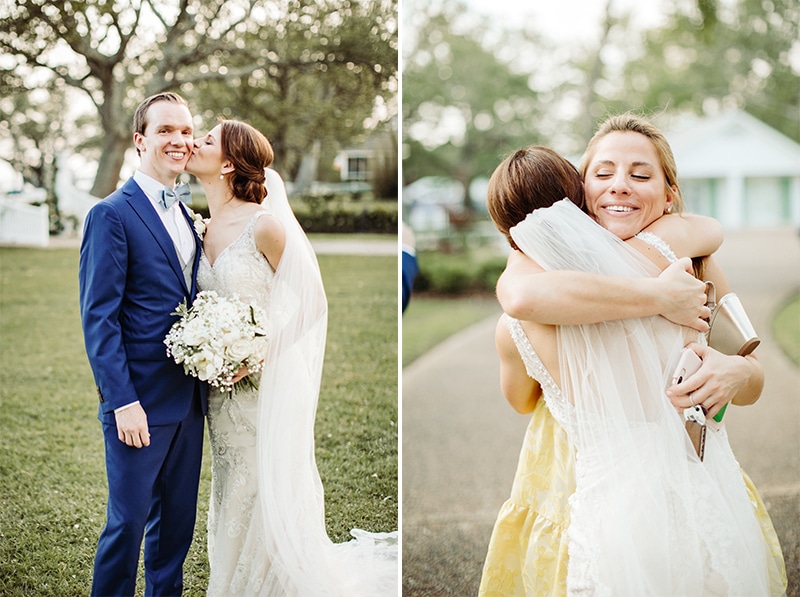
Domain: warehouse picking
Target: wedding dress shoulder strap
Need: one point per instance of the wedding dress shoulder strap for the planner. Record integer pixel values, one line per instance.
(553, 397)
(659, 244)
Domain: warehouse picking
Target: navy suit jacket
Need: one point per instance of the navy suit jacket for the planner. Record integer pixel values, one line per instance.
(410, 269)
(130, 283)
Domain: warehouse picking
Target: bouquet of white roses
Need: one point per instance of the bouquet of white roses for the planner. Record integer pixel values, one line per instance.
(216, 337)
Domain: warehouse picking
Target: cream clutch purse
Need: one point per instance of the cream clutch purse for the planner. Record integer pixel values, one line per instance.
(731, 332)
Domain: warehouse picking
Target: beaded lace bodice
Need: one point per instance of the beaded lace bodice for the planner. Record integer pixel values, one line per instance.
(659, 244)
(238, 557)
(240, 268)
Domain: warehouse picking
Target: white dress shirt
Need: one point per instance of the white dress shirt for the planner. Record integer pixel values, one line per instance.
(173, 218)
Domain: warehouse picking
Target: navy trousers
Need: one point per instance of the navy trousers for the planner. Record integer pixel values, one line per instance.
(152, 492)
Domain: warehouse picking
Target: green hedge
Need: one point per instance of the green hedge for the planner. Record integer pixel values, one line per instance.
(340, 214)
(454, 274)
(375, 220)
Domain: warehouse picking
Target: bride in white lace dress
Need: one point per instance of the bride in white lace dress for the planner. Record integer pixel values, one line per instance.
(647, 516)
(266, 526)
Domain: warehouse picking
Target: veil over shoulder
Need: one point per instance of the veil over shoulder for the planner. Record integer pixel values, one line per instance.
(305, 562)
(647, 517)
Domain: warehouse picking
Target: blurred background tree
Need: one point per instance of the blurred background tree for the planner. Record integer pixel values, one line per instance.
(462, 100)
(305, 73)
(480, 83)
(714, 55)
(475, 88)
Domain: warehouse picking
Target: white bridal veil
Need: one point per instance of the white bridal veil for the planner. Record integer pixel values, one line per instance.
(648, 517)
(305, 563)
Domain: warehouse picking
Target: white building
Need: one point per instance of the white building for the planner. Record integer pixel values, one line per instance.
(24, 218)
(739, 170)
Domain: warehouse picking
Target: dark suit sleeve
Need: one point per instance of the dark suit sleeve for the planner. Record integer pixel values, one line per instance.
(102, 275)
(410, 271)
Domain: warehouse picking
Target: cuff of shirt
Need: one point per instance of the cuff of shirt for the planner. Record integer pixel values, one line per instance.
(121, 408)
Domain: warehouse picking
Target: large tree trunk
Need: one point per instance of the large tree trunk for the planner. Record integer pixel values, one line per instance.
(307, 173)
(117, 124)
(111, 160)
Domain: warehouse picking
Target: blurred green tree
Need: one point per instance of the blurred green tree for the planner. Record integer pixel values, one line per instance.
(711, 56)
(117, 54)
(32, 124)
(461, 72)
(464, 106)
(317, 78)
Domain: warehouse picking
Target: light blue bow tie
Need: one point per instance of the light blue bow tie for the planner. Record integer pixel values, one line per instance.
(170, 196)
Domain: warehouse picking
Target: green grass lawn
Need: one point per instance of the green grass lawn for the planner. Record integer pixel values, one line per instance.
(52, 497)
(786, 328)
(429, 320)
(353, 236)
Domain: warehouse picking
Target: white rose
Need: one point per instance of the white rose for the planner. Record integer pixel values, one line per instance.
(229, 337)
(239, 350)
(208, 365)
(199, 225)
(195, 333)
(260, 346)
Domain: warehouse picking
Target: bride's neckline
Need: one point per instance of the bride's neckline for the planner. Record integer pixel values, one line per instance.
(233, 242)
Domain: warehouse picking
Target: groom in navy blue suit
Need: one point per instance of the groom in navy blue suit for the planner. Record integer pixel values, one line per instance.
(138, 261)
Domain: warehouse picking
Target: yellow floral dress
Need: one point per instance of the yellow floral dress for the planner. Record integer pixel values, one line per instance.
(528, 551)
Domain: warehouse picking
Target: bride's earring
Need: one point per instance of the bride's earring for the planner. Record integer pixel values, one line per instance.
(221, 176)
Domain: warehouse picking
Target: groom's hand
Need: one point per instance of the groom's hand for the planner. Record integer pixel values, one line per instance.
(132, 427)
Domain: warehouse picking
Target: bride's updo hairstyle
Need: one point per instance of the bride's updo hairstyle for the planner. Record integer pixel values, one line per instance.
(529, 179)
(250, 153)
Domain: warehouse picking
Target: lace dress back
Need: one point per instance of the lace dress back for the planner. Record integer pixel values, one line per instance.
(238, 558)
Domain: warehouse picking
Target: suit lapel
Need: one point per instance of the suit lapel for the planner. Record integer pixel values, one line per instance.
(147, 213)
(198, 247)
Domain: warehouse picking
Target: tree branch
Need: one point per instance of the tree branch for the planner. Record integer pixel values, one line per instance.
(124, 39)
(159, 16)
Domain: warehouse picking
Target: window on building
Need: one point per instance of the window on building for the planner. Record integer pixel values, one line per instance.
(357, 168)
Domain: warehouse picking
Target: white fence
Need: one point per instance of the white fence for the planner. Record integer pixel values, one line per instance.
(23, 224)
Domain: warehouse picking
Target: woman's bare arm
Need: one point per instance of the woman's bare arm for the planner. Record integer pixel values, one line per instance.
(270, 239)
(520, 390)
(527, 292)
(688, 235)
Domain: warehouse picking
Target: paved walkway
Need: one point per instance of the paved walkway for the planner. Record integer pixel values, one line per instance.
(461, 439)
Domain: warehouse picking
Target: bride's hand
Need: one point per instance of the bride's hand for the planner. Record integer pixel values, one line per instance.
(240, 374)
(683, 297)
